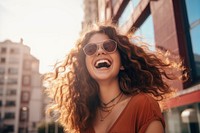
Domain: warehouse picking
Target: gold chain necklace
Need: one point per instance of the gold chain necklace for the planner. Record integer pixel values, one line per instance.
(109, 109)
(112, 100)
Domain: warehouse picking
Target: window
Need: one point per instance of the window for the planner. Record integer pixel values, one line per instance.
(8, 128)
(1, 81)
(146, 32)
(10, 103)
(34, 125)
(3, 50)
(12, 81)
(22, 130)
(14, 51)
(126, 14)
(128, 11)
(9, 115)
(3, 60)
(193, 14)
(11, 92)
(2, 70)
(12, 71)
(25, 96)
(1, 91)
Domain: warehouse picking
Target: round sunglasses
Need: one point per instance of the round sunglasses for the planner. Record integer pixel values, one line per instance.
(109, 46)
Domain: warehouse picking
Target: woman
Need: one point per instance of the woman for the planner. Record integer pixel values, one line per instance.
(109, 84)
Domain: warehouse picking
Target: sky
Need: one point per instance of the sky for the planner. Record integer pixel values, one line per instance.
(49, 27)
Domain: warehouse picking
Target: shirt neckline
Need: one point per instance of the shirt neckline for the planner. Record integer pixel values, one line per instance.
(120, 115)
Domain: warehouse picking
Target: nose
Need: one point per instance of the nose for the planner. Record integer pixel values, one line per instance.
(100, 50)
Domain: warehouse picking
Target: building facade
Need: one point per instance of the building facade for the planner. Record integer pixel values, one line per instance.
(90, 9)
(20, 89)
(172, 25)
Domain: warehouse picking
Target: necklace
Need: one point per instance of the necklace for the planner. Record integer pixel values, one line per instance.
(112, 100)
(108, 110)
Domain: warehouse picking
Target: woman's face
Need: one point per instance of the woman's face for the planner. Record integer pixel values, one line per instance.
(103, 66)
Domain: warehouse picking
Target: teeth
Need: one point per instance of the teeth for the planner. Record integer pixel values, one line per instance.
(102, 61)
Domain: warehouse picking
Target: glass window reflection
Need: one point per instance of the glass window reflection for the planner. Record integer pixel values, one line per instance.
(146, 32)
(128, 12)
(193, 10)
(193, 13)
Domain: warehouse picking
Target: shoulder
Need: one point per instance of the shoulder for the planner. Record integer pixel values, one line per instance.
(147, 103)
(143, 99)
(145, 109)
(144, 106)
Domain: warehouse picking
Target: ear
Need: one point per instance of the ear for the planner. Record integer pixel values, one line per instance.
(122, 68)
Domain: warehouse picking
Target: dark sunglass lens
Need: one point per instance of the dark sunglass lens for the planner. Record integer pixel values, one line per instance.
(90, 49)
(109, 46)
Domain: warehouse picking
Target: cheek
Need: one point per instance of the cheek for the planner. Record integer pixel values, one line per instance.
(118, 59)
(88, 64)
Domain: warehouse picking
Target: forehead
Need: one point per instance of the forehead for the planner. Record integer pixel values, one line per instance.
(98, 37)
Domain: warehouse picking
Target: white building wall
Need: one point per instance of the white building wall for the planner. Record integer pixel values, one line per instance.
(34, 106)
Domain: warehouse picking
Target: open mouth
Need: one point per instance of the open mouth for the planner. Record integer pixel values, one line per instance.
(104, 63)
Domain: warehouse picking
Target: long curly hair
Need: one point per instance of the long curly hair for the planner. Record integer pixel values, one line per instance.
(74, 92)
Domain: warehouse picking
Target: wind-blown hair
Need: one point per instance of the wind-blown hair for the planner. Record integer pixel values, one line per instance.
(74, 92)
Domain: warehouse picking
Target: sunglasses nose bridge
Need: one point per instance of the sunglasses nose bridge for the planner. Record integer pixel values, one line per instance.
(100, 48)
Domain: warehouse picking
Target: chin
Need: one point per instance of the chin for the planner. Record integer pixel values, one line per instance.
(104, 77)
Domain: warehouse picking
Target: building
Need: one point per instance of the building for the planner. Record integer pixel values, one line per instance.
(21, 99)
(90, 11)
(173, 25)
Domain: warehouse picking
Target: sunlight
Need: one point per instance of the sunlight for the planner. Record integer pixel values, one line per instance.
(48, 27)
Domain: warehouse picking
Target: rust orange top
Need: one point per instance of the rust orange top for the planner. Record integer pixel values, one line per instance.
(140, 111)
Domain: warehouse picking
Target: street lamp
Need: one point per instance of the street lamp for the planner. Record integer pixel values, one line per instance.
(25, 115)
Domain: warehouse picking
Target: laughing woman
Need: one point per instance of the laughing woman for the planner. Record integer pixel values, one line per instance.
(108, 84)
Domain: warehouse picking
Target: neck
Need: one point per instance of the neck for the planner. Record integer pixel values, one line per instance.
(109, 90)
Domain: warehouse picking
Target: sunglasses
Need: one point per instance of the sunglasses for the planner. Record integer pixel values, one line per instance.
(109, 46)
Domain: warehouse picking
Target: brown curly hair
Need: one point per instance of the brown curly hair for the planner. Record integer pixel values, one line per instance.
(75, 93)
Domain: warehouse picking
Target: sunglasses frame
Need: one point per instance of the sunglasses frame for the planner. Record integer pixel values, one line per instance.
(100, 44)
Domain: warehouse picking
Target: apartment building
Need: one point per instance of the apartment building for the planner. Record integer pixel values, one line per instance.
(173, 25)
(21, 99)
